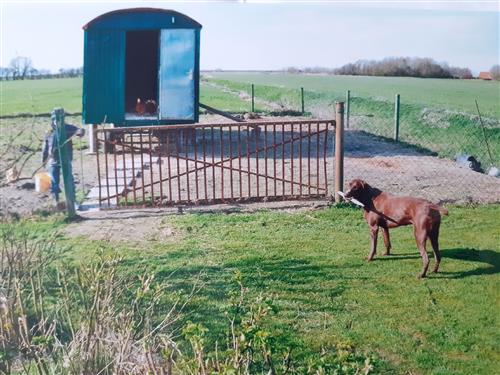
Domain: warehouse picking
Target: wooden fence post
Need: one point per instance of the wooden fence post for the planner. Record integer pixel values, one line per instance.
(339, 150)
(302, 98)
(396, 118)
(253, 99)
(65, 162)
(347, 108)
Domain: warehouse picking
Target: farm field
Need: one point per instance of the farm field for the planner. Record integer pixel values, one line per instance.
(436, 114)
(40, 96)
(455, 95)
(447, 126)
(35, 96)
(326, 298)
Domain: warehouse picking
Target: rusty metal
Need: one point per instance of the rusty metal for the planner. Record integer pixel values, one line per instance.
(221, 158)
(257, 137)
(186, 145)
(283, 160)
(125, 184)
(132, 154)
(300, 158)
(231, 161)
(204, 162)
(239, 161)
(169, 167)
(195, 165)
(265, 160)
(274, 159)
(212, 146)
(160, 174)
(292, 156)
(222, 163)
(248, 162)
(309, 157)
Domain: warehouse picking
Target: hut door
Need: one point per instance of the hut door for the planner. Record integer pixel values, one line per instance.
(176, 74)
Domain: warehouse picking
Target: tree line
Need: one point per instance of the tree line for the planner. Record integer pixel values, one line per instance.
(22, 67)
(399, 67)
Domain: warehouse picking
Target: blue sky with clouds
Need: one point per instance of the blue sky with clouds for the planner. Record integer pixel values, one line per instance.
(273, 35)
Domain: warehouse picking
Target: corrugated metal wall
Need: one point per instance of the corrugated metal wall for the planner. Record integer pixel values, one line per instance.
(104, 75)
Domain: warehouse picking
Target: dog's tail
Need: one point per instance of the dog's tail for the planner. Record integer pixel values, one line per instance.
(442, 210)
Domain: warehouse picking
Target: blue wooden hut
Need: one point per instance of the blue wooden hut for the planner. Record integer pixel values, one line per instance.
(141, 67)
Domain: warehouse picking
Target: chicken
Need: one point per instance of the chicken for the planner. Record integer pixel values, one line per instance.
(140, 108)
(151, 106)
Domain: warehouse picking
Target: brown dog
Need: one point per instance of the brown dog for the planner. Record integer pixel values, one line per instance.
(383, 210)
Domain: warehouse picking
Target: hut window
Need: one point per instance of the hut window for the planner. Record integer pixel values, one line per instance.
(141, 69)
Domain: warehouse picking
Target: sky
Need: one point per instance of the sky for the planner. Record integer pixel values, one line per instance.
(260, 35)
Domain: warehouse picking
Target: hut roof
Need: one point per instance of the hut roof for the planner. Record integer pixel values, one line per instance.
(164, 15)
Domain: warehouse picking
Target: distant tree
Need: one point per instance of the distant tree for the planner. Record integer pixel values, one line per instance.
(5, 73)
(495, 72)
(20, 66)
(404, 67)
(70, 72)
(461, 73)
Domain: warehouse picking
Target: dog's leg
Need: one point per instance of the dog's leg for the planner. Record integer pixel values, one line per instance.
(373, 235)
(434, 236)
(387, 240)
(421, 239)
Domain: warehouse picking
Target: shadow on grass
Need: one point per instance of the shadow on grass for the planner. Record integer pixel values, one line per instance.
(296, 278)
(489, 257)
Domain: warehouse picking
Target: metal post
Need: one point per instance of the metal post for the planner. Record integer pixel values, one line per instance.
(253, 99)
(396, 118)
(347, 108)
(92, 139)
(339, 149)
(65, 162)
(302, 97)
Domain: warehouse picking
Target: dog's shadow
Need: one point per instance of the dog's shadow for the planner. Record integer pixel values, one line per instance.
(490, 259)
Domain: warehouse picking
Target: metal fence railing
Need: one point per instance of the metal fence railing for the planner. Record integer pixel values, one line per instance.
(213, 163)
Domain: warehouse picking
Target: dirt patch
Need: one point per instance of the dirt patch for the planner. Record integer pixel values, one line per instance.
(129, 227)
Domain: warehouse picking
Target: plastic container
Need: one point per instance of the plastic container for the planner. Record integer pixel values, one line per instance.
(42, 182)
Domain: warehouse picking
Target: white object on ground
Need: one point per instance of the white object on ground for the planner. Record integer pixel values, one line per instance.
(493, 171)
(353, 200)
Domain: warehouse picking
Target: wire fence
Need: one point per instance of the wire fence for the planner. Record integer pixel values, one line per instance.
(436, 153)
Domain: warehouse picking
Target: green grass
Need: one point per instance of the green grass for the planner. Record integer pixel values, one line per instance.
(40, 96)
(326, 294)
(221, 100)
(457, 95)
(436, 114)
(444, 130)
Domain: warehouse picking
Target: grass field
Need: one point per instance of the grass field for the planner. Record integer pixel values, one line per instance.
(41, 96)
(455, 95)
(326, 295)
(437, 114)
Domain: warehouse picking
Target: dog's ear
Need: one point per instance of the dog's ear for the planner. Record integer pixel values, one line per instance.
(364, 184)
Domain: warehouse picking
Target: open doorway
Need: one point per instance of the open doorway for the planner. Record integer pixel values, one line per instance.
(141, 74)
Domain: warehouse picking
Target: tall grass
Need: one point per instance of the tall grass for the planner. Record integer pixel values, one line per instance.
(93, 318)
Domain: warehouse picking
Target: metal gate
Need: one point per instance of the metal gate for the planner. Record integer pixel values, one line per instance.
(214, 163)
